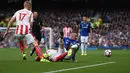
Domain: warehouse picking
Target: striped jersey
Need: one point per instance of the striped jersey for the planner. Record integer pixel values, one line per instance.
(23, 19)
(67, 31)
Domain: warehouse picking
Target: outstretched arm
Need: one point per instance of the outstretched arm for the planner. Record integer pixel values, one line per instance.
(8, 26)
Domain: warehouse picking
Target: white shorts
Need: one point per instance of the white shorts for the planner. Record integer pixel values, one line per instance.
(84, 39)
(54, 53)
(28, 37)
(54, 56)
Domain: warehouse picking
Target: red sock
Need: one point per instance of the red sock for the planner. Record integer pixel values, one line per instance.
(39, 51)
(21, 45)
(61, 56)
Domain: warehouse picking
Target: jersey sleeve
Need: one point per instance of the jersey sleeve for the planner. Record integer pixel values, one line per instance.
(80, 25)
(90, 25)
(14, 16)
(78, 41)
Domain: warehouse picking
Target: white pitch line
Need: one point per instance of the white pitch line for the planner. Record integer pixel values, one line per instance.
(61, 70)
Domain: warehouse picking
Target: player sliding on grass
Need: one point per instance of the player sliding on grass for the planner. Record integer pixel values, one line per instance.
(55, 55)
(72, 46)
(24, 19)
(61, 53)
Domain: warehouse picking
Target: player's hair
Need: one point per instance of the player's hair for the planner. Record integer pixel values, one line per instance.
(35, 11)
(85, 16)
(26, 2)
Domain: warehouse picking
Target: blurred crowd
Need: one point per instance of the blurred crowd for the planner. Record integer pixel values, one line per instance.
(110, 27)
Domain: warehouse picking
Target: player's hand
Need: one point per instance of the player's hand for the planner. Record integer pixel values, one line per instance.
(5, 34)
(78, 44)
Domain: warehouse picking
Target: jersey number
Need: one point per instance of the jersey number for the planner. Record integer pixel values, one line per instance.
(21, 16)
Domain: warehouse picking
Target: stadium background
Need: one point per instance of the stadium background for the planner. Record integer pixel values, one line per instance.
(110, 19)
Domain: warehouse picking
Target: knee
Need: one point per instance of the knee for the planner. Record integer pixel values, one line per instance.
(86, 43)
(35, 43)
(54, 59)
(82, 43)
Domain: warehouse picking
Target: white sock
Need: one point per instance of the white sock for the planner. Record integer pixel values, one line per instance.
(46, 47)
(86, 46)
(82, 48)
(65, 50)
(74, 46)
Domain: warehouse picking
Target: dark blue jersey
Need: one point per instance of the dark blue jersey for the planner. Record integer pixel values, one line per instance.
(85, 28)
(72, 42)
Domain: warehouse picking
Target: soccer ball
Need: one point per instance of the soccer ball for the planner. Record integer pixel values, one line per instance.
(107, 53)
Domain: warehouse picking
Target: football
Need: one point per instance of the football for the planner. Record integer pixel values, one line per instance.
(107, 53)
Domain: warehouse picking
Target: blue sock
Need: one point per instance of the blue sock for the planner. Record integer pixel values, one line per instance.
(73, 57)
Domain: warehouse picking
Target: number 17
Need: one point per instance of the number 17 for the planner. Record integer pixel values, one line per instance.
(21, 16)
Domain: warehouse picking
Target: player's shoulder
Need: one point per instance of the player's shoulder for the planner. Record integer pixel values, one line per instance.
(25, 10)
(88, 23)
(29, 11)
(21, 10)
(17, 11)
(81, 22)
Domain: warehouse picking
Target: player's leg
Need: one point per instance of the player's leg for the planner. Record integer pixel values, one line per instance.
(61, 46)
(60, 50)
(32, 51)
(59, 57)
(71, 53)
(74, 51)
(86, 45)
(21, 45)
(82, 38)
(43, 41)
(38, 40)
(30, 39)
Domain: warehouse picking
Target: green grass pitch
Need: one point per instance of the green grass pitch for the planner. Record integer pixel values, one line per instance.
(11, 62)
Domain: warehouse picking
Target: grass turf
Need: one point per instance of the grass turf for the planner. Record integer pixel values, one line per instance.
(11, 62)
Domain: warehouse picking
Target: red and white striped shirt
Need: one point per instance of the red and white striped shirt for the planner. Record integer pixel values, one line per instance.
(23, 19)
(67, 31)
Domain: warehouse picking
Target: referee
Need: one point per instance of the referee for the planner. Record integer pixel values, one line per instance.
(36, 29)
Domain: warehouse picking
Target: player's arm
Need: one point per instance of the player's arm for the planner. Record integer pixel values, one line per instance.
(31, 24)
(9, 24)
(42, 27)
(91, 32)
(31, 20)
(80, 27)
